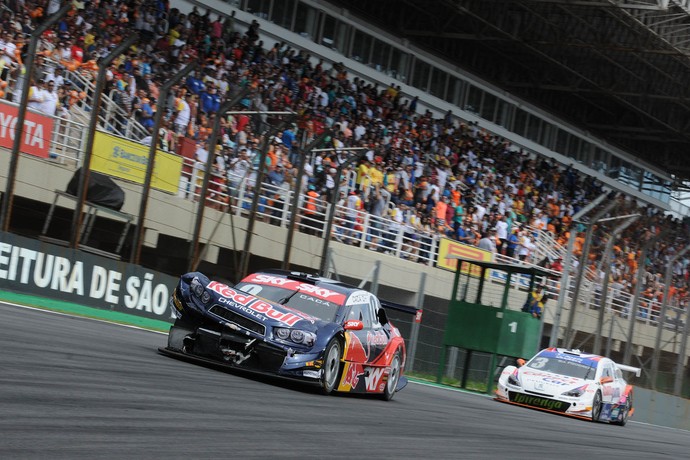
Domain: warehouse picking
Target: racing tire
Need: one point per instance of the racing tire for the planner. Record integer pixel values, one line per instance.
(626, 412)
(176, 338)
(330, 372)
(596, 406)
(393, 378)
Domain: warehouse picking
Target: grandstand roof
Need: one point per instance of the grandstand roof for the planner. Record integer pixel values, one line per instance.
(619, 69)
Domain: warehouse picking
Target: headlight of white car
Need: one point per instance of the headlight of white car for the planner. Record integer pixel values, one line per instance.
(513, 379)
(575, 392)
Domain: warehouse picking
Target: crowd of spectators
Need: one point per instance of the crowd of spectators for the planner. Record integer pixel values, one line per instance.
(420, 173)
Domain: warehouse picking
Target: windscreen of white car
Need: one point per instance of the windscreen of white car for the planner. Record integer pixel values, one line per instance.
(578, 368)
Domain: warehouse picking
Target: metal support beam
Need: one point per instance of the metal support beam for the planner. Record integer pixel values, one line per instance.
(607, 271)
(160, 109)
(8, 198)
(662, 314)
(201, 205)
(246, 255)
(294, 206)
(569, 334)
(83, 184)
(331, 212)
(647, 245)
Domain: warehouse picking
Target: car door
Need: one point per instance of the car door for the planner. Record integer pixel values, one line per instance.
(609, 391)
(367, 344)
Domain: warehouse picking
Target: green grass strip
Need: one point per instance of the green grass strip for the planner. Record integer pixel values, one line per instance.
(87, 312)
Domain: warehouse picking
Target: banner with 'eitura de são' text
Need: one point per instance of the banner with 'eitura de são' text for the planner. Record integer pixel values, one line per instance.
(39, 268)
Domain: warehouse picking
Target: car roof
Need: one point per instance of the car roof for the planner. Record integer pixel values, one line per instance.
(576, 354)
(315, 279)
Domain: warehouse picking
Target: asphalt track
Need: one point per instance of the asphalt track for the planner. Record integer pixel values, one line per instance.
(75, 388)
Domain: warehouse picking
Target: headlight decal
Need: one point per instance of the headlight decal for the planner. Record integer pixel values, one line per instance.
(575, 392)
(513, 379)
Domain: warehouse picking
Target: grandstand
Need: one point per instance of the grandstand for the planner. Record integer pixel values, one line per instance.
(444, 157)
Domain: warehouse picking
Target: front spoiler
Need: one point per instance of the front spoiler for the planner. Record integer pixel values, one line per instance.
(507, 401)
(214, 364)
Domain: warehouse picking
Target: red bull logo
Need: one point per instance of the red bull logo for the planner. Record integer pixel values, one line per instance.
(354, 350)
(254, 304)
(351, 377)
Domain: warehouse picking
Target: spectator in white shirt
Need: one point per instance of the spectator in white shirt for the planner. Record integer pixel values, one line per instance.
(50, 99)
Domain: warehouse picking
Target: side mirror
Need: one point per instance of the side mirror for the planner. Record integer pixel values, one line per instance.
(521, 362)
(353, 325)
(383, 318)
(607, 379)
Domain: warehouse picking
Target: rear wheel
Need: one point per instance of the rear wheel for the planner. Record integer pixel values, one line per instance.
(331, 366)
(393, 378)
(596, 406)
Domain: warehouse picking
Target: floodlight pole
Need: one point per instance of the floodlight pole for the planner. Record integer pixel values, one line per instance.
(162, 102)
(83, 182)
(6, 210)
(201, 205)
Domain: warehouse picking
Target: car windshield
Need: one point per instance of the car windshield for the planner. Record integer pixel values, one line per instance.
(580, 369)
(295, 299)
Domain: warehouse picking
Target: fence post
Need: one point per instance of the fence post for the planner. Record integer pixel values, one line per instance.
(414, 330)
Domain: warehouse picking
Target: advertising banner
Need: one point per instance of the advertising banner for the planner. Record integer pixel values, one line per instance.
(126, 159)
(448, 247)
(38, 268)
(37, 130)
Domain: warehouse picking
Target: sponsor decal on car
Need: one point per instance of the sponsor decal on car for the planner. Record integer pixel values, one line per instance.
(374, 378)
(536, 401)
(354, 350)
(359, 298)
(251, 305)
(293, 285)
(351, 374)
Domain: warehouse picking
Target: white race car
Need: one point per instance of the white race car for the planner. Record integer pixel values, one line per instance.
(572, 383)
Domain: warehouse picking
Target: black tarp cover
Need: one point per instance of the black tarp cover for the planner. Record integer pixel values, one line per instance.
(101, 190)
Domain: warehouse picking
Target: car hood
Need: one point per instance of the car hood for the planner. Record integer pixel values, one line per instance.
(264, 311)
(546, 383)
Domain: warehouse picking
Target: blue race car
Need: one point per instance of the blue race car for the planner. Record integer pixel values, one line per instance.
(291, 325)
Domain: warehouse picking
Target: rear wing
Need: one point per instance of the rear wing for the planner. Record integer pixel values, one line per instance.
(636, 370)
(387, 304)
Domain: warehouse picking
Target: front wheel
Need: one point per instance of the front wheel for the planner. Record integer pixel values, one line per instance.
(331, 366)
(596, 406)
(393, 378)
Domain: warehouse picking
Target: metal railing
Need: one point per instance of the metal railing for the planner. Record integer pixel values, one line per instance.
(385, 235)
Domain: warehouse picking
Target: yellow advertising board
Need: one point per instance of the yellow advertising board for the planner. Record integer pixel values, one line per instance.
(448, 247)
(127, 160)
